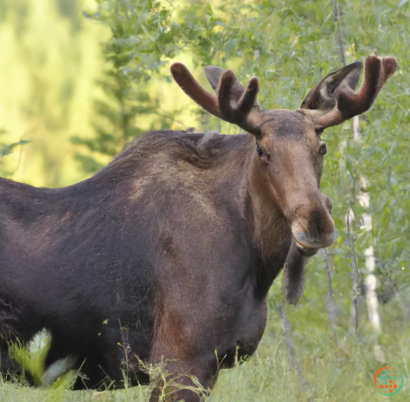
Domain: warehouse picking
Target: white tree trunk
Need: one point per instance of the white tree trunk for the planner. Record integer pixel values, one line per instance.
(370, 282)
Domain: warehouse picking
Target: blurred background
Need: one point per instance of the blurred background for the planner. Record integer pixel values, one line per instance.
(81, 79)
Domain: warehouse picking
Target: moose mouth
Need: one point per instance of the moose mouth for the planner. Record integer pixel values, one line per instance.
(305, 251)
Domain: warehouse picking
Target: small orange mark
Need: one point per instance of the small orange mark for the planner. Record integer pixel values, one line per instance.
(105, 321)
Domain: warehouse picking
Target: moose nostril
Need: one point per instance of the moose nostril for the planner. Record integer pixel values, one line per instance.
(329, 205)
(315, 231)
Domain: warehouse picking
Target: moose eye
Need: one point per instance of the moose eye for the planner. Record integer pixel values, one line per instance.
(319, 131)
(262, 154)
(322, 149)
(259, 150)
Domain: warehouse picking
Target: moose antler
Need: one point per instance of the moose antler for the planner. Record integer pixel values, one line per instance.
(349, 103)
(232, 103)
(329, 103)
(193, 89)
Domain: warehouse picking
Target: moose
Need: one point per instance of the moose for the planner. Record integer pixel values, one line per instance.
(168, 253)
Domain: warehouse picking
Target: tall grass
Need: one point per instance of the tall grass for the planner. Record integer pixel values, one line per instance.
(334, 368)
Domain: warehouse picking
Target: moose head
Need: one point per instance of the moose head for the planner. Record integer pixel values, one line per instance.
(288, 147)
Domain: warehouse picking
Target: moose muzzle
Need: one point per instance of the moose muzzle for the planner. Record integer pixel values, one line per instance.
(313, 226)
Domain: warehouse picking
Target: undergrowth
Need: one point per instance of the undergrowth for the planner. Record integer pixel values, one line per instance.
(334, 367)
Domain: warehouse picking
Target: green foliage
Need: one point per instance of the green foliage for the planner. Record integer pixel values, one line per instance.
(290, 46)
(142, 36)
(7, 149)
(32, 360)
(50, 61)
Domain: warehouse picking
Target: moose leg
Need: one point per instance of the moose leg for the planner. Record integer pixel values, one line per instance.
(65, 354)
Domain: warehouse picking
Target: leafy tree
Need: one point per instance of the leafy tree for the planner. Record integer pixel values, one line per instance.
(143, 34)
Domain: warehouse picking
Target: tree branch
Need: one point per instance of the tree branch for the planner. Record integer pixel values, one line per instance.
(331, 305)
(293, 362)
(336, 13)
(355, 271)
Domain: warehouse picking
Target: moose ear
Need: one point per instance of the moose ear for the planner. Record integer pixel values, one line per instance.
(214, 74)
(324, 95)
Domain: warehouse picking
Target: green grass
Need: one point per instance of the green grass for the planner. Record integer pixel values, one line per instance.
(330, 373)
(333, 369)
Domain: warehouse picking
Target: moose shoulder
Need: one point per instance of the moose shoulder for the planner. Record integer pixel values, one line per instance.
(172, 248)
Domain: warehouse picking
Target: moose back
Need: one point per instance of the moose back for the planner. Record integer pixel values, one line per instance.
(169, 252)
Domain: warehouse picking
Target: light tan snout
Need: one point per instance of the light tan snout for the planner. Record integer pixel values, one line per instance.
(313, 226)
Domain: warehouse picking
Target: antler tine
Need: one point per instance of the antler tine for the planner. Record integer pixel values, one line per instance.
(238, 111)
(194, 90)
(235, 111)
(350, 103)
(224, 92)
(233, 103)
(389, 67)
(248, 99)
